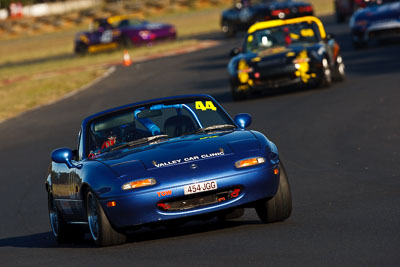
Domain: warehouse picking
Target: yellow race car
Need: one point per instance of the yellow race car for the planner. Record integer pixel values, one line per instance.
(282, 53)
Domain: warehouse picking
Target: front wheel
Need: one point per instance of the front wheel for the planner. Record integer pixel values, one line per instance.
(326, 74)
(100, 228)
(339, 71)
(279, 207)
(228, 29)
(358, 42)
(62, 231)
(81, 49)
(238, 95)
(231, 214)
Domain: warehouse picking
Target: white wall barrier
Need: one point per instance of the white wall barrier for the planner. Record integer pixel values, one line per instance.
(3, 13)
(38, 10)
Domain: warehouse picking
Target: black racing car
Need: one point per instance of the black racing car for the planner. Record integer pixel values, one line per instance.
(345, 8)
(245, 13)
(282, 53)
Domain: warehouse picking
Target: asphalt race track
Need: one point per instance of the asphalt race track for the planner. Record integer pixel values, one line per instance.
(341, 148)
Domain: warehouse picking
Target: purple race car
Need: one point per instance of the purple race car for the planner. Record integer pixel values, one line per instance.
(123, 30)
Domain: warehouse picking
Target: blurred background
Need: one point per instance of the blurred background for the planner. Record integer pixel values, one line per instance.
(37, 62)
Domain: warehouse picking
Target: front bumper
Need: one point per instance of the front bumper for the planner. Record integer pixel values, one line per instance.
(270, 78)
(141, 208)
(385, 30)
(377, 31)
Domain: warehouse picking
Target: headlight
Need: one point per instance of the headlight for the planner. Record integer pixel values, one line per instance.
(139, 183)
(243, 67)
(243, 71)
(301, 58)
(249, 162)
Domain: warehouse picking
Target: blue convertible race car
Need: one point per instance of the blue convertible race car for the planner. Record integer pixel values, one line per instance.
(161, 161)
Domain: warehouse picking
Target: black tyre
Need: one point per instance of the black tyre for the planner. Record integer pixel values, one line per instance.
(325, 79)
(358, 42)
(279, 207)
(81, 49)
(228, 29)
(125, 41)
(100, 228)
(340, 18)
(238, 95)
(339, 70)
(62, 231)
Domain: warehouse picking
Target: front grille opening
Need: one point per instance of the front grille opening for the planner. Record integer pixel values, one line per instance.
(199, 200)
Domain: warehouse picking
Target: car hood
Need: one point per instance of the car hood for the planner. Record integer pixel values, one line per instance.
(379, 12)
(182, 152)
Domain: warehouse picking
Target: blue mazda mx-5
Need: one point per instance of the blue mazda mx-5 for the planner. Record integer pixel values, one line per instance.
(163, 161)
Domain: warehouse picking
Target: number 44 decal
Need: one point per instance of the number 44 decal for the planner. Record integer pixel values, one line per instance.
(208, 105)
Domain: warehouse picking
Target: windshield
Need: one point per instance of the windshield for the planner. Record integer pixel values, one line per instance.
(282, 36)
(128, 23)
(100, 25)
(145, 124)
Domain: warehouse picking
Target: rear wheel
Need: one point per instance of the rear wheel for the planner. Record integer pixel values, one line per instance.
(100, 228)
(279, 207)
(62, 231)
(125, 41)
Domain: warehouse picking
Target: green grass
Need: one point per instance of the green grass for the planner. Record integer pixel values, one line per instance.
(40, 68)
(24, 86)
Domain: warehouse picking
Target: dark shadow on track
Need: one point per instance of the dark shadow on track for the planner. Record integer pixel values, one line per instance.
(46, 240)
(40, 240)
(190, 228)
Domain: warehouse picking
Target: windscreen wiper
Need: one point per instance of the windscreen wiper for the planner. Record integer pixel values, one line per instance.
(140, 141)
(213, 128)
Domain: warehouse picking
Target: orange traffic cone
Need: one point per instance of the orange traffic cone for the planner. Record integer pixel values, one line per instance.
(127, 59)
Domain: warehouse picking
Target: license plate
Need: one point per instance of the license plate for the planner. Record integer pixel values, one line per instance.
(200, 187)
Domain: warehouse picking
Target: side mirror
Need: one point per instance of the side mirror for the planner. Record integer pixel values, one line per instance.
(64, 155)
(243, 120)
(235, 51)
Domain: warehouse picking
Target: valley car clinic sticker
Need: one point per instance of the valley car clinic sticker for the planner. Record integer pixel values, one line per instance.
(188, 159)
